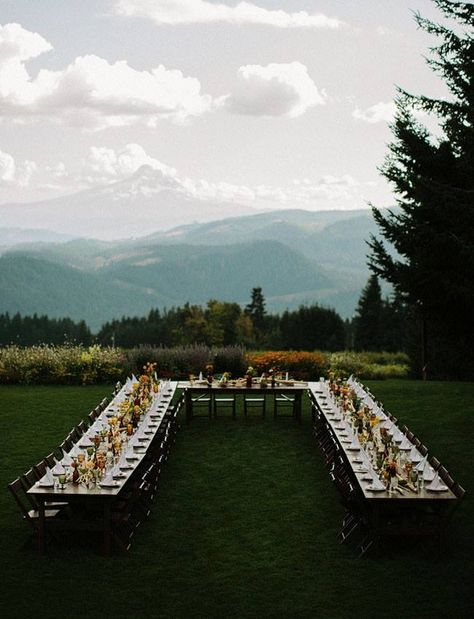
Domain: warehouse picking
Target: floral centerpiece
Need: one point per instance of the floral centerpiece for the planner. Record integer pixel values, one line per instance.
(224, 379)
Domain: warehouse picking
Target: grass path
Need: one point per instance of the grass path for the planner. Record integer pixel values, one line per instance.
(245, 524)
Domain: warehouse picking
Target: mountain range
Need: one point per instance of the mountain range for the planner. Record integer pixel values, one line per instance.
(296, 256)
(147, 201)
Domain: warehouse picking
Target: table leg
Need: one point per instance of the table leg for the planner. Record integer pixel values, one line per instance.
(298, 407)
(41, 525)
(188, 406)
(107, 529)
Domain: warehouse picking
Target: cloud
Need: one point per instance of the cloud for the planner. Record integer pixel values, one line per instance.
(131, 172)
(105, 165)
(176, 12)
(13, 174)
(275, 90)
(91, 92)
(380, 112)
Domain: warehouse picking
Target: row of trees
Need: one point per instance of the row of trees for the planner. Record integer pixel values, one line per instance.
(31, 330)
(220, 323)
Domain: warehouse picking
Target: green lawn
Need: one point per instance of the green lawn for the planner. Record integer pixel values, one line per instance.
(245, 525)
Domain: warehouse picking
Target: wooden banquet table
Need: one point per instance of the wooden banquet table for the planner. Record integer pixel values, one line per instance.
(97, 499)
(194, 390)
(403, 511)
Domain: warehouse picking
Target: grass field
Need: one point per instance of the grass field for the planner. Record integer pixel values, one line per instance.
(245, 524)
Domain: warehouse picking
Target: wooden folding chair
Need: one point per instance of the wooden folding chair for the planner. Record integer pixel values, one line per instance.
(284, 403)
(254, 403)
(223, 403)
(202, 402)
(30, 515)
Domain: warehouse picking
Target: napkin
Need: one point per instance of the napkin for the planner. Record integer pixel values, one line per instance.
(86, 442)
(75, 451)
(58, 469)
(116, 472)
(108, 481)
(123, 464)
(428, 473)
(405, 445)
(414, 455)
(66, 459)
(436, 485)
(47, 480)
(420, 467)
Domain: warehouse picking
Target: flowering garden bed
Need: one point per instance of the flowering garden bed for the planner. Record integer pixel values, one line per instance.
(78, 365)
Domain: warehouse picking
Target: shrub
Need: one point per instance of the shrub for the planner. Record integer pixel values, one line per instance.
(180, 361)
(370, 365)
(302, 365)
(65, 365)
(69, 365)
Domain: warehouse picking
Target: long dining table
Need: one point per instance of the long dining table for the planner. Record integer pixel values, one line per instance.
(100, 497)
(404, 510)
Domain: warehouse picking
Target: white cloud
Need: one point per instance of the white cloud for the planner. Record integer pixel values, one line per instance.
(380, 112)
(91, 92)
(175, 12)
(105, 165)
(274, 90)
(13, 174)
(131, 172)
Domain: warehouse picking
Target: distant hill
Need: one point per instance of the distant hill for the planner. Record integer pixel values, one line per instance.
(297, 257)
(18, 236)
(131, 279)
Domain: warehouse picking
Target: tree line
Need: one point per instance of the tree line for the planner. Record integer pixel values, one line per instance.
(221, 323)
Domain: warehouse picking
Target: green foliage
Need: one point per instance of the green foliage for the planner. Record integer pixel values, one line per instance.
(430, 255)
(368, 318)
(30, 330)
(73, 365)
(370, 365)
(61, 365)
(310, 328)
(178, 362)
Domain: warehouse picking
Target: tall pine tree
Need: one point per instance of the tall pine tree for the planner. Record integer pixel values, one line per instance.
(368, 318)
(432, 229)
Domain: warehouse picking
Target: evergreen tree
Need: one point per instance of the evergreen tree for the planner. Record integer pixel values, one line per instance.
(368, 326)
(431, 259)
(256, 309)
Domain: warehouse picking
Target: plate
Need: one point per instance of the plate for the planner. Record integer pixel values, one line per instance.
(45, 484)
(124, 467)
(372, 489)
(114, 484)
(353, 448)
(438, 489)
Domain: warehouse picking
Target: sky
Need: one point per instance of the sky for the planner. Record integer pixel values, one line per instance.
(267, 103)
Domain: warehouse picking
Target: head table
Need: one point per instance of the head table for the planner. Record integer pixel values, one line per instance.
(215, 389)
